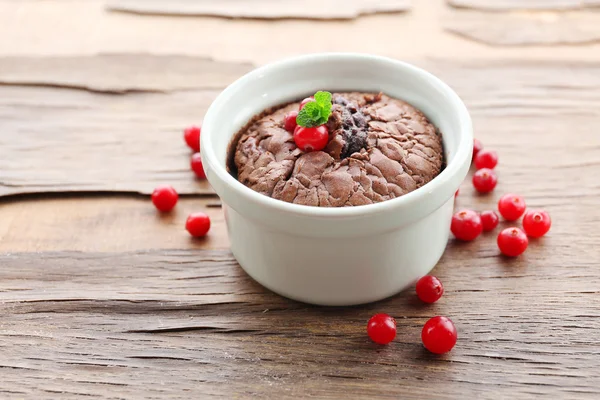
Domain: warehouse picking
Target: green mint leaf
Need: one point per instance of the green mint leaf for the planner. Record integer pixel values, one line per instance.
(323, 120)
(310, 115)
(316, 112)
(323, 98)
(326, 110)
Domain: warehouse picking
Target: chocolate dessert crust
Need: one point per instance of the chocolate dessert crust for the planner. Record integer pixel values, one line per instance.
(379, 148)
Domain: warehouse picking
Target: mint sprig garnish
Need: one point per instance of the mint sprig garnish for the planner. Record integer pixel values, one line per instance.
(316, 112)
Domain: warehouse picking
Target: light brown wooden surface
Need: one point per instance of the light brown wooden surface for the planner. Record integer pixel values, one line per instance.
(99, 128)
(108, 73)
(185, 324)
(109, 223)
(103, 297)
(525, 29)
(268, 9)
(503, 5)
(74, 141)
(75, 28)
(60, 139)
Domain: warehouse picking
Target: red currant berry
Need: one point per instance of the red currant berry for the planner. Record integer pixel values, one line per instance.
(289, 121)
(456, 193)
(311, 139)
(489, 220)
(164, 198)
(439, 335)
(511, 206)
(381, 328)
(197, 167)
(305, 101)
(466, 225)
(198, 224)
(512, 242)
(486, 159)
(477, 147)
(192, 137)
(484, 180)
(536, 223)
(429, 289)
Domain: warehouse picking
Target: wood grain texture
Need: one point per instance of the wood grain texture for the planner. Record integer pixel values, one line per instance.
(103, 222)
(264, 9)
(507, 5)
(122, 133)
(187, 324)
(121, 73)
(85, 28)
(526, 29)
(528, 119)
(63, 140)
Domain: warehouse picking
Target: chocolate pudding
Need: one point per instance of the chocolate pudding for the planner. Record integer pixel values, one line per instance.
(379, 148)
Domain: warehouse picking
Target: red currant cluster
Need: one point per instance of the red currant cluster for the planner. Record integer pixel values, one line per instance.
(484, 179)
(438, 334)
(307, 139)
(468, 224)
(165, 198)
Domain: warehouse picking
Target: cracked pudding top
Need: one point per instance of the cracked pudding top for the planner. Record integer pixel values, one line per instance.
(378, 148)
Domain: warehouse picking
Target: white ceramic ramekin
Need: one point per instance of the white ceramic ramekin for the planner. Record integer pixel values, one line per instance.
(337, 256)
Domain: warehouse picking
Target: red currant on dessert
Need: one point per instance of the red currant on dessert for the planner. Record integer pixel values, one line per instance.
(477, 147)
(456, 193)
(381, 328)
(164, 198)
(484, 180)
(439, 335)
(512, 242)
(192, 137)
(536, 223)
(197, 167)
(197, 224)
(429, 289)
(486, 159)
(311, 139)
(306, 100)
(511, 206)
(489, 220)
(466, 225)
(289, 121)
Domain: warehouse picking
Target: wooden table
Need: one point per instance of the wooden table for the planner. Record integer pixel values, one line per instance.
(102, 297)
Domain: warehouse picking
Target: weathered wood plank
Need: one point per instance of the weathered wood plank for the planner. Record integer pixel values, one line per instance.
(264, 9)
(121, 73)
(181, 324)
(526, 327)
(62, 140)
(104, 223)
(526, 138)
(532, 117)
(526, 29)
(506, 5)
(46, 130)
(111, 136)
